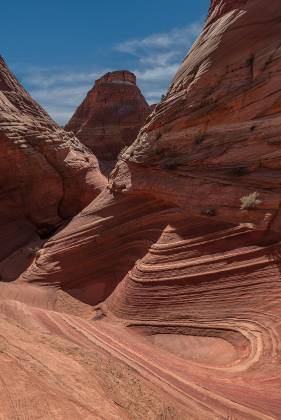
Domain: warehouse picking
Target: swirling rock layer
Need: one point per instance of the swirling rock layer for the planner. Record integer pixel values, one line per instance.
(64, 367)
(186, 284)
(208, 294)
(215, 137)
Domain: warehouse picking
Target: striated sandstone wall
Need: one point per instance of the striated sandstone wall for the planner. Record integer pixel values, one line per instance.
(46, 175)
(218, 130)
(166, 248)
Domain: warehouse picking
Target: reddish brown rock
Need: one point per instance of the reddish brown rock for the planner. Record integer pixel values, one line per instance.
(167, 252)
(217, 130)
(152, 107)
(111, 115)
(46, 175)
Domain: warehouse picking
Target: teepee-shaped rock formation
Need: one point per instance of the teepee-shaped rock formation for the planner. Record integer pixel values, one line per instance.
(111, 115)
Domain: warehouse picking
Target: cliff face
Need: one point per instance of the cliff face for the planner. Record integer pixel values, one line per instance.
(217, 132)
(111, 115)
(167, 248)
(46, 175)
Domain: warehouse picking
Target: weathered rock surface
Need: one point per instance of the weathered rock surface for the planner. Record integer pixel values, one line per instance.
(46, 174)
(166, 250)
(111, 115)
(218, 130)
(57, 366)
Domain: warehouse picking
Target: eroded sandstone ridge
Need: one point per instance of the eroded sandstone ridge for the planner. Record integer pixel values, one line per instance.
(184, 282)
(46, 174)
(111, 115)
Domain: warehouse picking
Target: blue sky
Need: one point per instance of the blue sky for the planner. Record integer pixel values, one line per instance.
(58, 48)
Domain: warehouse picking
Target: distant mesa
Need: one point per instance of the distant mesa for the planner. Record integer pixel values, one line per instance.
(111, 115)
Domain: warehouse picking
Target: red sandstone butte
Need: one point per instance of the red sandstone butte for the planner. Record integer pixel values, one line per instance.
(46, 174)
(164, 275)
(111, 115)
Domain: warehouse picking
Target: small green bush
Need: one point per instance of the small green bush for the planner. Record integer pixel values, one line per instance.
(250, 202)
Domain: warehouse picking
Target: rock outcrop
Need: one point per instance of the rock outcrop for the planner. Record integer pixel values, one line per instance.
(111, 115)
(170, 249)
(217, 131)
(46, 174)
(184, 276)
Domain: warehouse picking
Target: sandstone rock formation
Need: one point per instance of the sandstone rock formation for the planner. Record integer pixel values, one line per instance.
(217, 131)
(152, 107)
(185, 284)
(167, 249)
(111, 115)
(46, 175)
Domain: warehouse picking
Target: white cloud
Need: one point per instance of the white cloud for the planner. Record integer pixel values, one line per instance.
(155, 59)
(61, 116)
(173, 38)
(45, 79)
(59, 91)
(154, 74)
(158, 57)
(60, 101)
(69, 94)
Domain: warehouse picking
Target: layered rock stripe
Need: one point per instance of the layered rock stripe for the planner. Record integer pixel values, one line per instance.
(46, 174)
